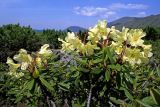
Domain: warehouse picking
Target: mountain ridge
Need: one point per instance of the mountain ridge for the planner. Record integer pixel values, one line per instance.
(130, 22)
(75, 28)
(136, 22)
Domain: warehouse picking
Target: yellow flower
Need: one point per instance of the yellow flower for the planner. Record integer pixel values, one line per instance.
(147, 50)
(70, 37)
(89, 48)
(15, 74)
(93, 35)
(102, 24)
(66, 46)
(39, 62)
(116, 47)
(103, 30)
(98, 32)
(119, 50)
(135, 37)
(24, 58)
(71, 43)
(12, 66)
(44, 51)
(81, 49)
(133, 56)
(120, 37)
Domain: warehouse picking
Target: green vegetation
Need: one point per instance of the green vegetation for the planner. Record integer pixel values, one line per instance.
(94, 75)
(15, 37)
(51, 37)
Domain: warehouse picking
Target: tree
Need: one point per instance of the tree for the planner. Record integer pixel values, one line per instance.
(51, 37)
(14, 37)
(151, 33)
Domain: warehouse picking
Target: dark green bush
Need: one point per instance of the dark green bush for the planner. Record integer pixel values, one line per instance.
(51, 37)
(152, 33)
(14, 37)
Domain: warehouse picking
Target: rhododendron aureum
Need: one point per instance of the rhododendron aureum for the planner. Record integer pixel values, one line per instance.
(127, 44)
(29, 62)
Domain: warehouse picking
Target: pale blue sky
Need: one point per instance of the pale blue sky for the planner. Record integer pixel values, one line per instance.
(60, 14)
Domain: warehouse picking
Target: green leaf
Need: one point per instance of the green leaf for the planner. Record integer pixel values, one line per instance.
(81, 61)
(104, 54)
(76, 74)
(64, 86)
(95, 70)
(116, 101)
(118, 80)
(158, 71)
(30, 84)
(18, 99)
(84, 70)
(35, 74)
(148, 100)
(110, 55)
(103, 91)
(107, 75)
(46, 84)
(143, 104)
(116, 67)
(155, 95)
(127, 93)
(97, 61)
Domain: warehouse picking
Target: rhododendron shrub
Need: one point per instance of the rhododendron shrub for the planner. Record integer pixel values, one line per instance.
(102, 70)
(107, 59)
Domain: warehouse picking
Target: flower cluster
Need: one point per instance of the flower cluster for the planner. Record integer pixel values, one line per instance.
(73, 43)
(127, 44)
(29, 62)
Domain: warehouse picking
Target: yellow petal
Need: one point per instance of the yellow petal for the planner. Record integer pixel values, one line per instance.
(44, 52)
(12, 66)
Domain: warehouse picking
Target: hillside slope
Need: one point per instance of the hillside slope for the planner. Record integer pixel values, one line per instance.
(137, 22)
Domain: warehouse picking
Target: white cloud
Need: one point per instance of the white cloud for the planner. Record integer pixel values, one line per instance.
(128, 6)
(141, 14)
(94, 11)
(110, 11)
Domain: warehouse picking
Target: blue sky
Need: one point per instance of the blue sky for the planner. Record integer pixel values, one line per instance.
(59, 14)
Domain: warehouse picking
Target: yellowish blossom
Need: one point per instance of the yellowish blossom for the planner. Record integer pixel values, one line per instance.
(127, 44)
(118, 48)
(135, 37)
(98, 32)
(38, 62)
(15, 74)
(93, 35)
(66, 46)
(133, 56)
(147, 50)
(12, 66)
(120, 37)
(23, 58)
(89, 48)
(45, 52)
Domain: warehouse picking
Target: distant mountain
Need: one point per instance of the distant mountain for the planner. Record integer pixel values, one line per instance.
(38, 31)
(137, 22)
(75, 29)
